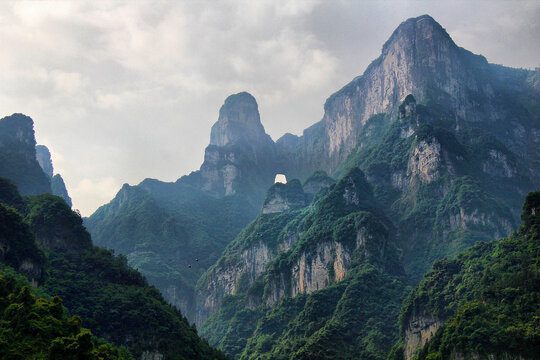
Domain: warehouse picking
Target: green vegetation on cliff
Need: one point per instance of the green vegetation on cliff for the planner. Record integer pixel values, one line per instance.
(34, 326)
(113, 300)
(346, 230)
(170, 232)
(486, 298)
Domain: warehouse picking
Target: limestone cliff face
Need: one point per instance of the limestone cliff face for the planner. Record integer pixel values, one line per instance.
(240, 156)
(316, 182)
(43, 157)
(468, 220)
(425, 161)
(220, 171)
(419, 331)
(58, 187)
(32, 271)
(239, 121)
(314, 271)
(498, 164)
(420, 58)
(151, 355)
(317, 268)
(228, 278)
(32, 268)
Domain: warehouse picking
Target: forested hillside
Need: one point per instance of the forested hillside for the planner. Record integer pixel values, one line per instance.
(482, 303)
(44, 240)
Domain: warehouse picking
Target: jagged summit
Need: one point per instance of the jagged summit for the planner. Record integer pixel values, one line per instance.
(58, 187)
(418, 29)
(239, 121)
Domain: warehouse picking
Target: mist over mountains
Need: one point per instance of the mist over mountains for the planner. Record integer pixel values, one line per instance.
(429, 155)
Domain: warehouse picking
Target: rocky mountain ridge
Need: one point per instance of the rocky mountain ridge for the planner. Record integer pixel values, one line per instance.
(58, 187)
(447, 143)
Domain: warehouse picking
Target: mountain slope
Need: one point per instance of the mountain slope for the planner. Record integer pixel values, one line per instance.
(483, 303)
(52, 248)
(449, 147)
(38, 327)
(294, 281)
(421, 59)
(173, 232)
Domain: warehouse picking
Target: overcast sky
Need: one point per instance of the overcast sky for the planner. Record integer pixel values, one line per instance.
(122, 91)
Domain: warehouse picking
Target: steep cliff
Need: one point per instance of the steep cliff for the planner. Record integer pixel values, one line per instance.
(432, 181)
(240, 158)
(43, 157)
(18, 155)
(58, 188)
(420, 58)
(481, 304)
(283, 262)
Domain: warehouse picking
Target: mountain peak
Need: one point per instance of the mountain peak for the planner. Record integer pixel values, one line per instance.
(239, 121)
(417, 30)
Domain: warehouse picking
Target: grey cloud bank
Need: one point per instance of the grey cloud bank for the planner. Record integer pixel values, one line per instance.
(121, 91)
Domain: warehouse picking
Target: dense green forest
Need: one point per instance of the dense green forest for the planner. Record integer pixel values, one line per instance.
(170, 232)
(46, 241)
(345, 319)
(485, 299)
(35, 326)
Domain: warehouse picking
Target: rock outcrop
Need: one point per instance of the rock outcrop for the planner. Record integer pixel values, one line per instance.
(58, 187)
(239, 122)
(18, 155)
(241, 156)
(425, 161)
(283, 197)
(419, 331)
(419, 58)
(316, 182)
(43, 156)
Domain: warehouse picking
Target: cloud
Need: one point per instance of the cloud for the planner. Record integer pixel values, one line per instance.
(127, 90)
(96, 191)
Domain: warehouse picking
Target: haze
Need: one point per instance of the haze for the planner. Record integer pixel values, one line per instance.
(122, 91)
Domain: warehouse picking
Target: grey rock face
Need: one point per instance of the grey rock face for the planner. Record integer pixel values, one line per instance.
(425, 161)
(239, 121)
(226, 279)
(59, 188)
(419, 331)
(43, 156)
(241, 156)
(420, 58)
